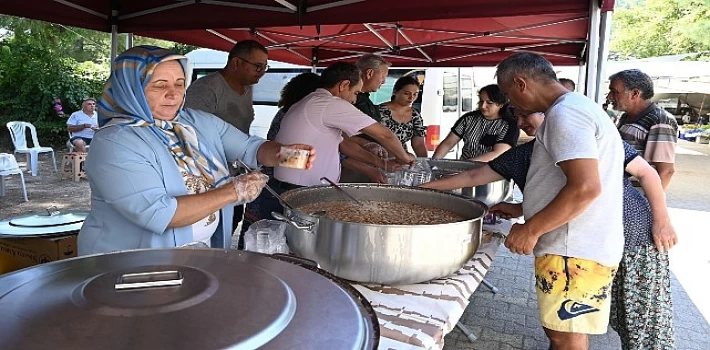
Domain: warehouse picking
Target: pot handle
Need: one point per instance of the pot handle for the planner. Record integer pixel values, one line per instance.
(298, 225)
(156, 279)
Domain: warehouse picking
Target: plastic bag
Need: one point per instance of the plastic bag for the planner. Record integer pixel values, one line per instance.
(416, 174)
(194, 245)
(266, 236)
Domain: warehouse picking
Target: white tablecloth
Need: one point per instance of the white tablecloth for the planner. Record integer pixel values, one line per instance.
(418, 316)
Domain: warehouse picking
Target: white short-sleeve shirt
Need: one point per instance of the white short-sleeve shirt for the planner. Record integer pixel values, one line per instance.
(577, 128)
(80, 118)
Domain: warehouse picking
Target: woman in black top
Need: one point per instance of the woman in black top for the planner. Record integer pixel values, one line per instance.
(486, 132)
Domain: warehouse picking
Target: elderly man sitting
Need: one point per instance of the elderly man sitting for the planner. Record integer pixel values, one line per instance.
(82, 124)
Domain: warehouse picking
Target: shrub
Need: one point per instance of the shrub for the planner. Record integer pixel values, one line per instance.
(32, 77)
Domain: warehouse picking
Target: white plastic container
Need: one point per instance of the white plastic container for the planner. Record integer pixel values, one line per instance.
(293, 158)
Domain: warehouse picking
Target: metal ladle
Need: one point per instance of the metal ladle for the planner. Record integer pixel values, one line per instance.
(327, 181)
(268, 188)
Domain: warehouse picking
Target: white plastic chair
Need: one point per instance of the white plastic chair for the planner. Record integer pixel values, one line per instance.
(8, 166)
(17, 133)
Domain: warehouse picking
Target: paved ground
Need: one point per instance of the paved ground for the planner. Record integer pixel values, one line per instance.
(509, 320)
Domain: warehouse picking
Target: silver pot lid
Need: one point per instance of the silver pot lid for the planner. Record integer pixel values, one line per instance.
(52, 223)
(179, 299)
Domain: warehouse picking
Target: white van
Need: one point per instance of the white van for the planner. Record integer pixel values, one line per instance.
(447, 93)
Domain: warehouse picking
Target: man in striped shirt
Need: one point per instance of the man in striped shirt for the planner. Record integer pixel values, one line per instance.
(644, 125)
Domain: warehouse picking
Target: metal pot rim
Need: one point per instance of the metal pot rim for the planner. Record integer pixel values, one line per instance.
(316, 219)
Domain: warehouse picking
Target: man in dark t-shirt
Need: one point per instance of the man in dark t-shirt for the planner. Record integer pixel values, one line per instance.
(365, 105)
(358, 163)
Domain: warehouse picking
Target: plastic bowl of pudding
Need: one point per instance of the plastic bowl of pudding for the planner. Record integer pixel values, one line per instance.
(293, 158)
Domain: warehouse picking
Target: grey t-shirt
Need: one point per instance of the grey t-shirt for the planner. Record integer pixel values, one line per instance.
(212, 94)
(577, 128)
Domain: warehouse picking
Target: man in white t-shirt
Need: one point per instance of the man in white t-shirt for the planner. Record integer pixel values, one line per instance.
(572, 202)
(82, 124)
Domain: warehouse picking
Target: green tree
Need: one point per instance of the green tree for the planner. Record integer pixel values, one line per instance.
(41, 61)
(660, 27)
(32, 77)
(78, 43)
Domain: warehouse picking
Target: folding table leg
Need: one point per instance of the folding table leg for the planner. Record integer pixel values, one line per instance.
(490, 286)
(471, 337)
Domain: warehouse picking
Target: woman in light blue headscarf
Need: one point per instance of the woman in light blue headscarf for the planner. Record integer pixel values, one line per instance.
(158, 172)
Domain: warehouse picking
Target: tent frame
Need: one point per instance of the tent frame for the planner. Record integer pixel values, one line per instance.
(592, 57)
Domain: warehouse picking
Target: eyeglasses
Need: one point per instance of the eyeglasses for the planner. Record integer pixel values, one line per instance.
(260, 67)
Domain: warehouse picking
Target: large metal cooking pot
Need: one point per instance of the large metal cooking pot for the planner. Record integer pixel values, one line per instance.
(385, 254)
(182, 299)
(490, 194)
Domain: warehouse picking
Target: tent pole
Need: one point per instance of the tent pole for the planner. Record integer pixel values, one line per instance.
(129, 40)
(114, 32)
(114, 42)
(593, 49)
(605, 32)
(702, 104)
(581, 76)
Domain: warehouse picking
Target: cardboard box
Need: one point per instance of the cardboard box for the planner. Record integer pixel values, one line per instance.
(18, 253)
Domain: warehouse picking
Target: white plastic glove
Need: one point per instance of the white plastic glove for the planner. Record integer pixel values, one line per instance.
(248, 186)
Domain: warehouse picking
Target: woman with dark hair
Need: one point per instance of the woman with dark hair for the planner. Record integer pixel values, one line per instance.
(296, 89)
(486, 132)
(324, 116)
(404, 120)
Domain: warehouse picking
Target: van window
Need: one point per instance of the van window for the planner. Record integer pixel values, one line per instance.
(268, 90)
(466, 93)
(451, 92)
(198, 73)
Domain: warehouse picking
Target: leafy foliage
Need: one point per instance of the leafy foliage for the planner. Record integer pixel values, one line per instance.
(32, 76)
(41, 61)
(660, 27)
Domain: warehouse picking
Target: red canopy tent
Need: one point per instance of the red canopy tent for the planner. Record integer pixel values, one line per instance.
(450, 42)
(409, 33)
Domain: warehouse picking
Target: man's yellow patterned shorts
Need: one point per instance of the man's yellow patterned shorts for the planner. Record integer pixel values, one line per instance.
(573, 295)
